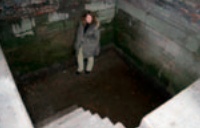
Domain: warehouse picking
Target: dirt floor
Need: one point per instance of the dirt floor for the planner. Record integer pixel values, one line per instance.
(112, 89)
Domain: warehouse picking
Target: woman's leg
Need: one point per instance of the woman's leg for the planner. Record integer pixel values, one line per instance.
(80, 60)
(90, 64)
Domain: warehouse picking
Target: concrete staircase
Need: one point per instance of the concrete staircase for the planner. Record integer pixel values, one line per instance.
(80, 118)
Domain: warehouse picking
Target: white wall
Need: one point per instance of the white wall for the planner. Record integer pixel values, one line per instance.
(12, 111)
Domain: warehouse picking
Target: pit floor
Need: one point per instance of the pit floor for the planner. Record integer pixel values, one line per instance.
(112, 90)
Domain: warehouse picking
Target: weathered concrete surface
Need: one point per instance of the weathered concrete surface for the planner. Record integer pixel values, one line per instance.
(112, 90)
(182, 111)
(81, 118)
(46, 38)
(166, 46)
(12, 111)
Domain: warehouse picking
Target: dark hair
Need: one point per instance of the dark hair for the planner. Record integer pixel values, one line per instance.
(94, 18)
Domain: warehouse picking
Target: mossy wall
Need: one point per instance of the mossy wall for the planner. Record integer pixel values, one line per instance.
(162, 38)
(38, 34)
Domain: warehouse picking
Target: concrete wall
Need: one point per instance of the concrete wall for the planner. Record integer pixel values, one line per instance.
(162, 37)
(177, 112)
(37, 34)
(12, 111)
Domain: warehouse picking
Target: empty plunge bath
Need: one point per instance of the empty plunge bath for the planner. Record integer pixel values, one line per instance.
(112, 89)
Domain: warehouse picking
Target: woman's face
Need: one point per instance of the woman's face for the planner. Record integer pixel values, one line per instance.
(88, 19)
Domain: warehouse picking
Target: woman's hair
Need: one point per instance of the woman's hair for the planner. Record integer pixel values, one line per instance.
(94, 18)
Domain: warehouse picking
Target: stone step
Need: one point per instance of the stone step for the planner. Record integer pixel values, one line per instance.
(79, 118)
(72, 123)
(119, 125)
(93, 122)
(101, 124)
(64, 118)
(107, 123)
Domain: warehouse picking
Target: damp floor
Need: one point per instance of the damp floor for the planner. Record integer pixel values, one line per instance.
(113, 89)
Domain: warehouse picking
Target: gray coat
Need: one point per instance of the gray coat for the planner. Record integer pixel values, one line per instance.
(88, 41)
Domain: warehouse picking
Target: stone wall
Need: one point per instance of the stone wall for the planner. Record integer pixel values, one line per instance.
(39, 33)
(13, 112)
(162, 37)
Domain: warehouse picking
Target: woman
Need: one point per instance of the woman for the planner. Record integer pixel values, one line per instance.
(87, 42)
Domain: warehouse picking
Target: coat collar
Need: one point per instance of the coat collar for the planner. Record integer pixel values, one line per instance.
(94, 26)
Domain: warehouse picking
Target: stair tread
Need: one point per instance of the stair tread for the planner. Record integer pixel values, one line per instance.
(101, 123)
(108, 123)
(61, 114)
(75, 121)
(93, 122)
(119, 125)
(80, 118)
(64, 118)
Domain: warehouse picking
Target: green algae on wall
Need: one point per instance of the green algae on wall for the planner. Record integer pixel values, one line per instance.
(37, 39)
(149, 51)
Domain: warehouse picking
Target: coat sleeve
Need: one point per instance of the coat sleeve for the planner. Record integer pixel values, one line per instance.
(79, 37)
